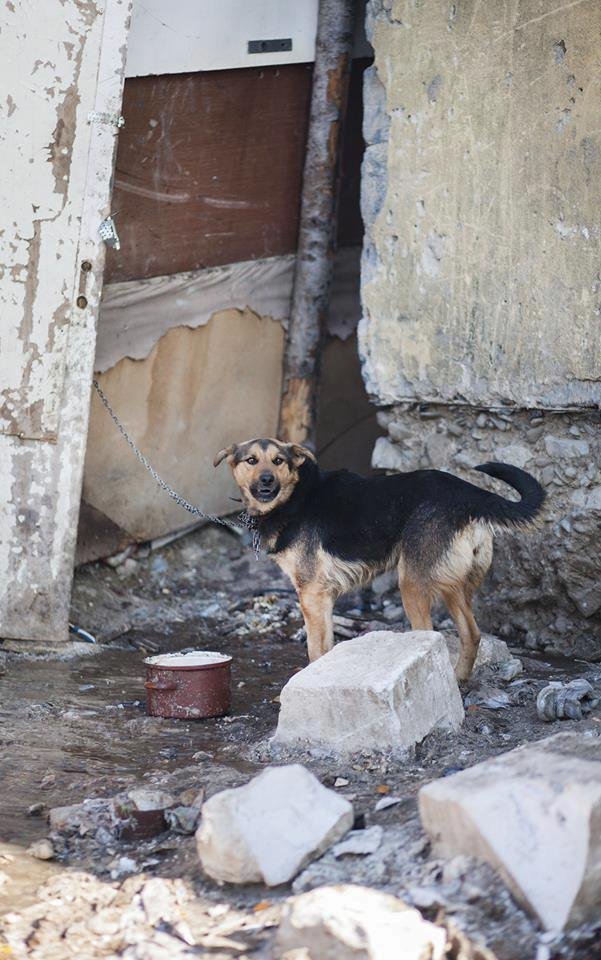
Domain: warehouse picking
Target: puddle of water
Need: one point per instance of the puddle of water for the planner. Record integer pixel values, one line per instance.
(72, 729)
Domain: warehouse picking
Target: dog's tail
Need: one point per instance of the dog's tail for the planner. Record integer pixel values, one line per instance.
(511, 513)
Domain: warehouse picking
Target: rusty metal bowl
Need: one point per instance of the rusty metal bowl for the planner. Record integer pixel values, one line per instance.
(188, 686)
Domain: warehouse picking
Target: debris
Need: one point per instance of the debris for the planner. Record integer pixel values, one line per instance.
(348, 922)
(492, 697)
(81, 818)
(386, 802)
(359, 842)
(383, 788)
(492, 652)
(547, 796)
(42, 849)
(123, 867)
(271, 828)
(380, 691)
(140, 813)
(182, 819)
(566, 701)
(426, 897)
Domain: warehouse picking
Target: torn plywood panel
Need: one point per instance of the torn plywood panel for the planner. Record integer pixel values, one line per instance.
(197, 391)
(481, 192)
(135, 314)
(209, 169)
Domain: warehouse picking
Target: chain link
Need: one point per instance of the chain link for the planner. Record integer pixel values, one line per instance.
(244, 520)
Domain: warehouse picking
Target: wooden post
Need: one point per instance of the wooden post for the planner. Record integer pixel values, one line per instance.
(317, 231)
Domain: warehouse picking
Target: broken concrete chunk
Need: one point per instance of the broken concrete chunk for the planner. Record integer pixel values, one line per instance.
(534, 814)
(271, 828)
(359, 842)
(492, 651)
(349, 922)
(380, 691)
(42, 849)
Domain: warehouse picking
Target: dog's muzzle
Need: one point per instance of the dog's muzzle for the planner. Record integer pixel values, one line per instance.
(266, 488)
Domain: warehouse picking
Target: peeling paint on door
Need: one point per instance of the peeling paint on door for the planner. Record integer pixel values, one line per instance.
(60, 61)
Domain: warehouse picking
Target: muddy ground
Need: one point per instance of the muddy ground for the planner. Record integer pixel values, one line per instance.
(74, 727)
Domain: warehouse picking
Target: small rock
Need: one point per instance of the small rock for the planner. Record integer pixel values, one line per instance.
(341, 782)
(123, 867)
(144, 799)
(426, 898)
(457, 868)
(271, 828)
(386, 802)
(349, 922)
(531, 814)
(192, 797)
(359, 842)
(35, 810)
(380, 691)
(492, 652)
(127, 569)
(492, 697)
(559, 448)
(510, 669)
(182, 820)
(42, 849)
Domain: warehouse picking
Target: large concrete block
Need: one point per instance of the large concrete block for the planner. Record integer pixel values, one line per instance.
(350, 922)
(271, 828)
(534, 814)
(381, 691)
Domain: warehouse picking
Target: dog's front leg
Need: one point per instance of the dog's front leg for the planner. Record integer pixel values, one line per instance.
(317, 606)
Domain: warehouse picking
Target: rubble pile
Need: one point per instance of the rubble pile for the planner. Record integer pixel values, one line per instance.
(252, 859)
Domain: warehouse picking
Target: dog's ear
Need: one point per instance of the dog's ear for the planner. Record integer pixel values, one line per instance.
(227, 452)
(300, 454)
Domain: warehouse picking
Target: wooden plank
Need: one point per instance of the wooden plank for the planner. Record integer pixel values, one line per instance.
(209, 169)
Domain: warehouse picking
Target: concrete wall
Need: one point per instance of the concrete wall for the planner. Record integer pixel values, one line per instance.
(480, 276)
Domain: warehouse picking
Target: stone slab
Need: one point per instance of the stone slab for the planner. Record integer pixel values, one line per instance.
(269, 829)
(534, 814)
(380, 691)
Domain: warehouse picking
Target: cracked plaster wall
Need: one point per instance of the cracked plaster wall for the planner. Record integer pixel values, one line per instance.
(481, 289)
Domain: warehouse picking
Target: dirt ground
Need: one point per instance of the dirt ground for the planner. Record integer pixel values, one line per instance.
(74, 726)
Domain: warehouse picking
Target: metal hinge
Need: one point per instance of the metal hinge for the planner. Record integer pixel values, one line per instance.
(108, 233)
(114, 119)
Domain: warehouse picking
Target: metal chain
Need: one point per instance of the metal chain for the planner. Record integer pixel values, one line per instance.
(244, 520)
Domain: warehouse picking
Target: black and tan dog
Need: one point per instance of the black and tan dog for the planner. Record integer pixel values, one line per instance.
(332, 532)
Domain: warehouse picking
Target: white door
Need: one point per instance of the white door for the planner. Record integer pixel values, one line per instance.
(61, 67)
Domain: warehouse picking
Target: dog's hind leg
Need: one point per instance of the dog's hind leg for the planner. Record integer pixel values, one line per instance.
(317, 605)
(458, 603)
(417, 600)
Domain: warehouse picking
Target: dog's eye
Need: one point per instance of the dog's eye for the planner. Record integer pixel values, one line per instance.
(252, 461)
(277, 461)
